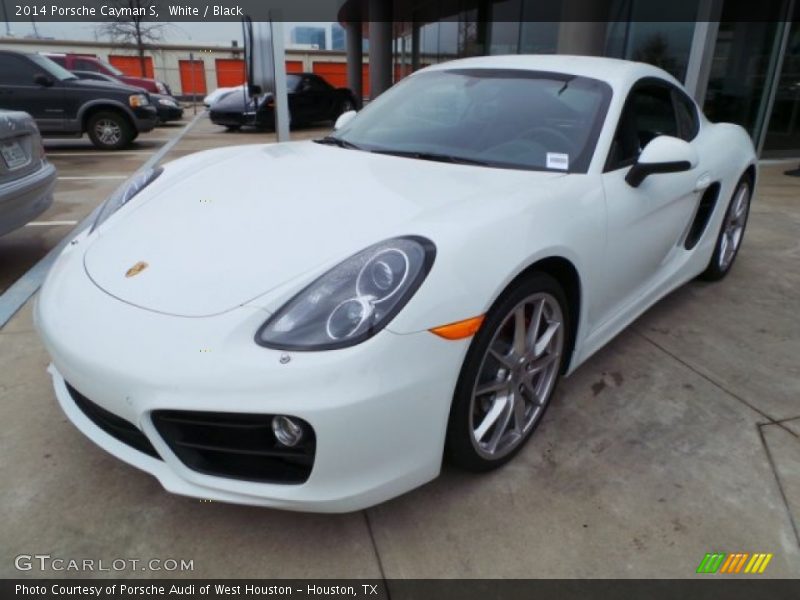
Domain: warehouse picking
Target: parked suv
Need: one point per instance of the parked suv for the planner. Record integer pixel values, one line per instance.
(63, 105)
(88, 62)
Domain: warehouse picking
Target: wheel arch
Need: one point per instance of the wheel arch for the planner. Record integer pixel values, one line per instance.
(566, 274)
(751, 173)
(105, 106)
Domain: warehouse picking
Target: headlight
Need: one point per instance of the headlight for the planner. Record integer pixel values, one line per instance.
(125, 192)
(354, 300)
(167, 102)
(137, 100)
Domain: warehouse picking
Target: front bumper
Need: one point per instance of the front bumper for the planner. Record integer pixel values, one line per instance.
(169, 113)
(230, 119)
(146, 118)
(26, 198)
(379, 410)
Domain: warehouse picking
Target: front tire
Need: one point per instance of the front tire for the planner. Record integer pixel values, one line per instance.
(731, 232)
(509, 375)
(109, 130)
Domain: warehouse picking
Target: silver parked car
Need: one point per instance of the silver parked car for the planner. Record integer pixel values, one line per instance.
(27, 179)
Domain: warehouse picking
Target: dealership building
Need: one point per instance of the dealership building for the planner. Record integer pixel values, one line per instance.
(739, 71)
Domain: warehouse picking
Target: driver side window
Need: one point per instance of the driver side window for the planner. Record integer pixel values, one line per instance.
(648, 113)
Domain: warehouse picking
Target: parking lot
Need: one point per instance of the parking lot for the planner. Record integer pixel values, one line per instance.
(681, 437)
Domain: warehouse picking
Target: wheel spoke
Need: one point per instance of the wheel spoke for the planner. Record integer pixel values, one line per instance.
(536, 319)
(501, 426)
(491, 387)
(543, 342)
(541, 363)
(519, 331)
(503, 359)
(491, 417)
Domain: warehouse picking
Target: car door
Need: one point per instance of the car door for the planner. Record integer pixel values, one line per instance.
(20, 91)
(310, 100)
(646, 224)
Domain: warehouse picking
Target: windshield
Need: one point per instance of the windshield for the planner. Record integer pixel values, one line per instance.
(52, 67)
(496, 117)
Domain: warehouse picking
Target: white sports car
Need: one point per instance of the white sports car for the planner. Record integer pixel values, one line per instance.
(315, 325)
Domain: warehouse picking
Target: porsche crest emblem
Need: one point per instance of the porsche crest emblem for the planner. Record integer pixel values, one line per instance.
(136, 269)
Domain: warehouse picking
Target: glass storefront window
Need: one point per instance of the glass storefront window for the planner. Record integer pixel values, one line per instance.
(783, 135)
(665, 45)
(743, 55)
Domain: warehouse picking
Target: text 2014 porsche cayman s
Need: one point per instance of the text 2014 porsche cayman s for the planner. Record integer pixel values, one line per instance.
(316, 325)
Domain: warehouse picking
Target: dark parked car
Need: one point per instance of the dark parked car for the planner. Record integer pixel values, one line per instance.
(311, 99)
(63, 105)
(167, 107)
(27, 179)
(89, 62)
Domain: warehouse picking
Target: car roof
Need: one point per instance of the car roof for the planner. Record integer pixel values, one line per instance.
(614, 71)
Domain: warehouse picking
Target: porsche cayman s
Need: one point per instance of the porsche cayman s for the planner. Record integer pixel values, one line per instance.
(315, 325)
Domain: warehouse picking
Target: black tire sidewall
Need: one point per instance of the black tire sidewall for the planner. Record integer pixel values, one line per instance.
(458, 443)
(127, 132)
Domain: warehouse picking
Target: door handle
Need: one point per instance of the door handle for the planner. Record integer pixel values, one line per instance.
(702, 182)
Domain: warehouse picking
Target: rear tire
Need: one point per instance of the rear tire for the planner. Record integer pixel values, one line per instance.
(731, 233)
(509, 375)
(109, 130)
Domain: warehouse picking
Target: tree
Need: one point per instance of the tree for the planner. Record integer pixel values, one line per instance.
(132, 26)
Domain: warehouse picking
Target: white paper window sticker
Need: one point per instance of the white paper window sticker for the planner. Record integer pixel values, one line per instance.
(559, 161)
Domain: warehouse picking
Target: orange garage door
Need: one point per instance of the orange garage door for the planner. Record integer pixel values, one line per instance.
(193, 77)
(230, 72)
(131, 65)
(335, 73)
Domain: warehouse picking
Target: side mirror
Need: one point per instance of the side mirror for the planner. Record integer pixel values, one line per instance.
(664, 154)
(344, 119)
(43, 80)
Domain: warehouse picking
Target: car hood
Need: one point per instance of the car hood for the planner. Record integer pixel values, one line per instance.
(93, 84)
(233, 101)
(223, 227)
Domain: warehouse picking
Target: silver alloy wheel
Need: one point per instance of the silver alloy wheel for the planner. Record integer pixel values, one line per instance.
(733, 227)
(516, 376)
(108, 132)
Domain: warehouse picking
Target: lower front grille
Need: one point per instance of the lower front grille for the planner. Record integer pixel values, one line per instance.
(237, 446)
(115, 426)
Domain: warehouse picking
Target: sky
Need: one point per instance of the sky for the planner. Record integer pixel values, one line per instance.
(218, 33)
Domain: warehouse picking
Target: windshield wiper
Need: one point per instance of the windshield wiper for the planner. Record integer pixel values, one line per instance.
(434, 156)
(335, 141)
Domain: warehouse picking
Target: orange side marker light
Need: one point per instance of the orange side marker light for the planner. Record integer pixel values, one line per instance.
(460, 329)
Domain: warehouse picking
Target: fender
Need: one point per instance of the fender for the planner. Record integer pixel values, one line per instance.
(104, 102)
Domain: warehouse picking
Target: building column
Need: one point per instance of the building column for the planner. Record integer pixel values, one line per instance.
(583, 37)
(355, 60)
(380, 47)
(415, 63)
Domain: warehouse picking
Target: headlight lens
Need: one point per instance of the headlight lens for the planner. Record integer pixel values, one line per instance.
(354, 300)
(167, 102)
(137, 100)
(125, 192)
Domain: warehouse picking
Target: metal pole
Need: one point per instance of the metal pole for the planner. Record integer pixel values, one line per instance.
(281, 98)
(701, 53)
(773, 75)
